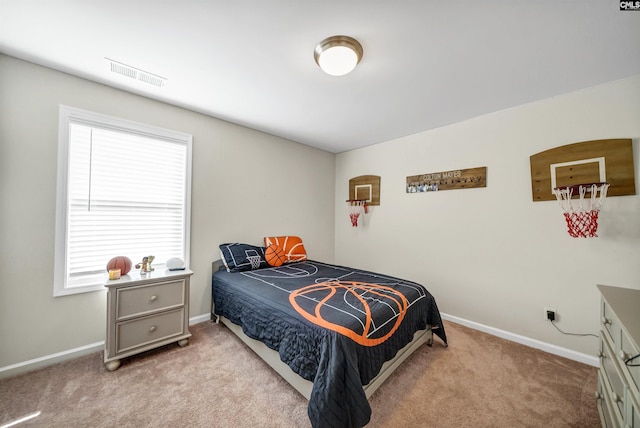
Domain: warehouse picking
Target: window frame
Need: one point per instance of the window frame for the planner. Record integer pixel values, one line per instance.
(68, 115)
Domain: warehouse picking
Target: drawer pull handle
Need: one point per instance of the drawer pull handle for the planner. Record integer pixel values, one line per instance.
(153, 298)
(623, 355)
(598, 395)
(606, 321)
(616, 398)
(152, 328)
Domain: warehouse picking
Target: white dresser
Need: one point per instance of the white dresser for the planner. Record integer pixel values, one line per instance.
(145, 312)
(618, 395)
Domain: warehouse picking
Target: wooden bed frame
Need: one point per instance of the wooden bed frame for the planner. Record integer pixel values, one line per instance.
(303, 386)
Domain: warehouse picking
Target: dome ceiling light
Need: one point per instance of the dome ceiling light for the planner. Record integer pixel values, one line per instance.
(338, 55)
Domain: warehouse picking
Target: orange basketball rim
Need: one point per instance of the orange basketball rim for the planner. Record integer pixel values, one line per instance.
(387, 294)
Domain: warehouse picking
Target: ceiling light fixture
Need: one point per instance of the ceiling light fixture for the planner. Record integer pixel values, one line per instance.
(338, 55)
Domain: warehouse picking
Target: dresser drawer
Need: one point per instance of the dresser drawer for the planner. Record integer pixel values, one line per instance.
(603, 401)
(613, 380)
(145, 299)
(141, 331)
(633, 414)
(609, 323)
(628, 350)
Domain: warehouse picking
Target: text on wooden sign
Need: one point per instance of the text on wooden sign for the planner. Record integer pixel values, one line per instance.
(448, 180)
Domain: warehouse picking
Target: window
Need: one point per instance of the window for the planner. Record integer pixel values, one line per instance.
(124, 189)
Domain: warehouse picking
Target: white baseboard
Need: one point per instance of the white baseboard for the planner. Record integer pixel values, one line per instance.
(48, 360)
(199, 318)
(532, 343)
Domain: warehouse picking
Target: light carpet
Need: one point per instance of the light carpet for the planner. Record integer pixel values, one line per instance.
(216, 381)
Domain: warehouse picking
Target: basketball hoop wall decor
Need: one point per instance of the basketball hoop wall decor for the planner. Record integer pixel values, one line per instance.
(580, 176)
(364, 191)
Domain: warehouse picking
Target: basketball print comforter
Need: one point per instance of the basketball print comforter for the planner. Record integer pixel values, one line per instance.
(333, 325)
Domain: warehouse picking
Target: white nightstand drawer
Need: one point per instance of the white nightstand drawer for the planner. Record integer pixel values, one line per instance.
(145, 299)
(142, 331)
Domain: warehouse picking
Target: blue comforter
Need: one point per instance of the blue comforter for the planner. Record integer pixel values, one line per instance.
(333, 325)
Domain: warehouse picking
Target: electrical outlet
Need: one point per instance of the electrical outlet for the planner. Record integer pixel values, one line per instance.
(550, 314)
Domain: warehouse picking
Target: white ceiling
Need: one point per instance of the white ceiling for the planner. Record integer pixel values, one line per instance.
(427, 63)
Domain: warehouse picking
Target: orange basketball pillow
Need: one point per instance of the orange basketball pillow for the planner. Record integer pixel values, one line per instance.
(292, 246)
(274, 255)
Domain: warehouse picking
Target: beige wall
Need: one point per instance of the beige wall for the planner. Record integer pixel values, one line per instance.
(491, 255)
(245, 184)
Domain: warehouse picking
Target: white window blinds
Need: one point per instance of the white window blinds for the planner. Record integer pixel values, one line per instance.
(127, 194)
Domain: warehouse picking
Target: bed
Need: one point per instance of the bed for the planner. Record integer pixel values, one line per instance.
(333, 332)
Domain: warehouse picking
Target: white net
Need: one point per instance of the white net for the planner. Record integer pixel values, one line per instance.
(356, 208)
(581, 214)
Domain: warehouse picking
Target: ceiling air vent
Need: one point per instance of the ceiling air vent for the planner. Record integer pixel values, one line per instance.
(136, 73)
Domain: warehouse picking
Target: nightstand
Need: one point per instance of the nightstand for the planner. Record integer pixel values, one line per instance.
(145, 312)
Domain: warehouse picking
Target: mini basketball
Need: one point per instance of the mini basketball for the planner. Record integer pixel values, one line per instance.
(274, 255)
(120, 262)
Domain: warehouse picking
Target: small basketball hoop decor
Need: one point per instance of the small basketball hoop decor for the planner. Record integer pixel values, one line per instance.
(582, 215)
(356, 207)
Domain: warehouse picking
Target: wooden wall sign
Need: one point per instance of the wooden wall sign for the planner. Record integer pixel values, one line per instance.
(448, 180)
(365, 187)
(595, 161)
